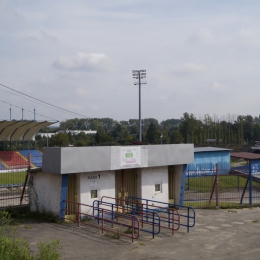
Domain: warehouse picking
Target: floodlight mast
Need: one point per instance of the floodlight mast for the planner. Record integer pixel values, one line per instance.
(139, 78)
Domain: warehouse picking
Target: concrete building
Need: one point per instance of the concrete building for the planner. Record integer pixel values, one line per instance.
(85, 174)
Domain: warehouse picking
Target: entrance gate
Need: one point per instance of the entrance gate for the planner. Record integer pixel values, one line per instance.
(126, 183)
(171, 174)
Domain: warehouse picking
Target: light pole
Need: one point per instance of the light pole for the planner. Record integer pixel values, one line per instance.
(139, 78)
(161, 137)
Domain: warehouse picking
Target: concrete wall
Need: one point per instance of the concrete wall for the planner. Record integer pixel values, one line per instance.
(103, 182)
(152, 176)
(44, 192)
(64, 160)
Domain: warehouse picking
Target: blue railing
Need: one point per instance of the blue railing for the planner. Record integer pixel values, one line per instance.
(190, 212)
(152, 219)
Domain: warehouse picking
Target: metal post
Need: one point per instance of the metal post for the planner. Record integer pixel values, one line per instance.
(250, 182)
(216, 185)
(139, 75)
(78, 218)
(22, 113)
(140, 126)
(10, 114)
(34, 113)
(123, 192)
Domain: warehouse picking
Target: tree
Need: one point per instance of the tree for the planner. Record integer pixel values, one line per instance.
(176, 137)
(188, 126)
(59, 139)
(152, 135)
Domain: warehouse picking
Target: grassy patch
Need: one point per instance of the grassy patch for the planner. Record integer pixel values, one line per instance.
(13, 248)
(25, 216)
(205, 183)
(12, 178)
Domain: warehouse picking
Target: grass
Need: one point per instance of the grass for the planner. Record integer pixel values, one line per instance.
(13, 248)
(205, 183)
(12, 177)
(25, 216)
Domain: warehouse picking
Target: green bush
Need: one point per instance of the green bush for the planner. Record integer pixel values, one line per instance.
(12, 248)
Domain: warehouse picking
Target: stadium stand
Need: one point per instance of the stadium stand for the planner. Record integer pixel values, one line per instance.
(2, 167)
(13, 160)
(36, 156)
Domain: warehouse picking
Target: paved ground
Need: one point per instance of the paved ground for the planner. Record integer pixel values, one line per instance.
(218, 234)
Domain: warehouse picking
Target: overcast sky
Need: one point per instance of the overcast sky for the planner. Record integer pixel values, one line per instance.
(201, 57)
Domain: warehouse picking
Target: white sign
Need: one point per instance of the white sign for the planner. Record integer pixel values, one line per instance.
(130, 156)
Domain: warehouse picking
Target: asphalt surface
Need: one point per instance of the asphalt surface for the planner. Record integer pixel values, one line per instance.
(218, 234)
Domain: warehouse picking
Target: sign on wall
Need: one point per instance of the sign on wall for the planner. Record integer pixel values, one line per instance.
(130, 156)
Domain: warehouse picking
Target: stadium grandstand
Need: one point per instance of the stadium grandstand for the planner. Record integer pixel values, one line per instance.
(19, 131)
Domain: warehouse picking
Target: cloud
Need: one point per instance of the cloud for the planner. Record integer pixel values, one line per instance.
(188, 69)
(164, 98)
(88, 62)
(74, 107)
(94, 107)
(81, 92)
(203, 35)
(217, 87)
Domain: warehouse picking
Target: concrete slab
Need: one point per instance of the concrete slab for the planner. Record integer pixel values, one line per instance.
(218, 234)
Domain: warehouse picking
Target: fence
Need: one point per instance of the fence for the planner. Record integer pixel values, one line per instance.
(240, 186)
(13, 172)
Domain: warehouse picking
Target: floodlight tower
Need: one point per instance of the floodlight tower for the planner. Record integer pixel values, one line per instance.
(139, 78)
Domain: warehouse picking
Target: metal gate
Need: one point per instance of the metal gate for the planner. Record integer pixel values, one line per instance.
(171, 182)
(72, 193)
(126, 183)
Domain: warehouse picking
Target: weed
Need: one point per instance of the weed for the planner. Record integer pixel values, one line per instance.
(129, 231)
(232, 211)
(256, 221)
(12, 248)
(141, 244)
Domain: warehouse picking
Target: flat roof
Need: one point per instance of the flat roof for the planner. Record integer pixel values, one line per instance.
(65, 160)
(245, 155)
(21, 130)
(209, 149)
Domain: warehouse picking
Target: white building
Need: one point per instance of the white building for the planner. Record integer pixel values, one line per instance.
(85, 174)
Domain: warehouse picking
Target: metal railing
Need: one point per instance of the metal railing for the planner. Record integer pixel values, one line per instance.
(131, 223)
(187, 214)
(169, 218)
(151, 223)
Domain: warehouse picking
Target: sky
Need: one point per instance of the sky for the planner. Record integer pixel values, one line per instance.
(201, 57)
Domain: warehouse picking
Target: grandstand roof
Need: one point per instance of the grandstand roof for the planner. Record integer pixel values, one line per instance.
(21, 130)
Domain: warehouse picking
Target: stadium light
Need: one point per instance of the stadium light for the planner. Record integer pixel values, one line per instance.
(139, 78)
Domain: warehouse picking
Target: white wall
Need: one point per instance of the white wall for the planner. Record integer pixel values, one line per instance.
(103, 182)
(152, 176)
(44, 192)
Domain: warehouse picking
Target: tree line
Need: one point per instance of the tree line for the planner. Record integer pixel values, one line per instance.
(208, 130)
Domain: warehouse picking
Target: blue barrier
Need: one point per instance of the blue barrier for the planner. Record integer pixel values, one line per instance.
(152, 218)
(191, 215)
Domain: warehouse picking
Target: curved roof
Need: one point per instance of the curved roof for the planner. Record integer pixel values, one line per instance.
(21, 130)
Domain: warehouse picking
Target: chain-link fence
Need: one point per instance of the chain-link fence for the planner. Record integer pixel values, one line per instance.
(222, 187)
(13, 170)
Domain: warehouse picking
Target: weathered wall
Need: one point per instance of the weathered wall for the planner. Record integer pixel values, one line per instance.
(65, 160)
(44, 192)
(152, 176)
(103, 182)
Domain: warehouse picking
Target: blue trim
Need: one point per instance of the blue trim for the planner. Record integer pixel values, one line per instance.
(183, 184)
(250, 182)
(63, 194)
